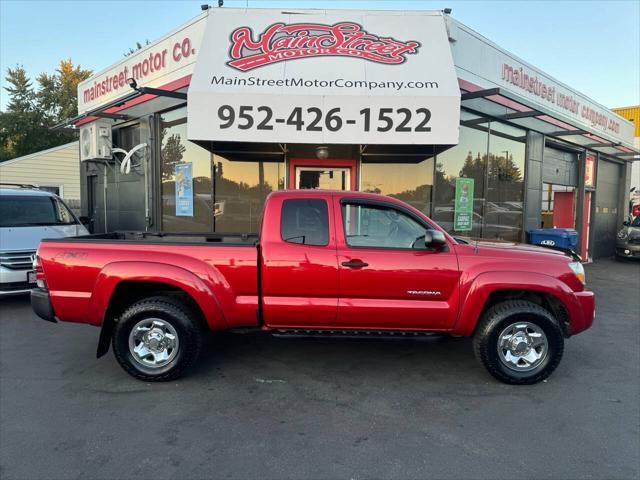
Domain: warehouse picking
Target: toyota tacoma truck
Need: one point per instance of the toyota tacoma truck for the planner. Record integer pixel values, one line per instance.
(324, 263)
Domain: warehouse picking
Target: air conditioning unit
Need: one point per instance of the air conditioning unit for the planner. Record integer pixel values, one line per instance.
(95, 140)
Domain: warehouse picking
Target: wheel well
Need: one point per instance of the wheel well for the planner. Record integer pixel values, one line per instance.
(545, 300)
(128, 292)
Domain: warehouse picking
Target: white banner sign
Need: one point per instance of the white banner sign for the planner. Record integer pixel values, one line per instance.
(156, 65)
(345, 77)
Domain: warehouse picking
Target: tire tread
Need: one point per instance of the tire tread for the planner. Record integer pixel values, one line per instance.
(488, 323)
(192, 343)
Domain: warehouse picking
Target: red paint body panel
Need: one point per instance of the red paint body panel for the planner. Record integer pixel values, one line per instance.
(299, 282)
(81, 277)
(307, 286)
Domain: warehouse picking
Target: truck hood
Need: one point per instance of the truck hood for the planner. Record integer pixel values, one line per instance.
(516, 249)
(28, 238)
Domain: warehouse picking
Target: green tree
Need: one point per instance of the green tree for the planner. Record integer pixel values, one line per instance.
(58, 92)
(22, 120)
(25, 125)
(171, 154)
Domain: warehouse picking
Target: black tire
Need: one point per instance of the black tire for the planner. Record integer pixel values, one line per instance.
(501, 316)
(171, 311)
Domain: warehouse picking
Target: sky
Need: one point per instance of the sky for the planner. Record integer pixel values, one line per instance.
(592, 46)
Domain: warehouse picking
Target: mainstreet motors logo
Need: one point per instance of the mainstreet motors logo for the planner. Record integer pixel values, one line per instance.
(281, 42)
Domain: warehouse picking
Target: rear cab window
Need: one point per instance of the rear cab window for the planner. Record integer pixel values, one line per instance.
(305, 221)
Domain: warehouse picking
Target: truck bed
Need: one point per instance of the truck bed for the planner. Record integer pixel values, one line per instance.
(239, 239)
(221, 270)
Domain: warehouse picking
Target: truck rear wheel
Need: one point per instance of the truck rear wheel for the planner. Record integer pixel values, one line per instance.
(157, 339)
(519, 342)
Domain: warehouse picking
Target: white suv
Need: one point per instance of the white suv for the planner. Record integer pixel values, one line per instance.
(28, 215)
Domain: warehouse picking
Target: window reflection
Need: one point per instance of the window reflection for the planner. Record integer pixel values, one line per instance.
(240, 191)
(409, 182)
(176, 151)
(467, 159)
(229, 201)
(505, 189)
(496, 165)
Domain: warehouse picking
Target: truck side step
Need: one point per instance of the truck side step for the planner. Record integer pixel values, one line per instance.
(355, 334)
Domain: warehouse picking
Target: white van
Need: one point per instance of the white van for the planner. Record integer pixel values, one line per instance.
(27, 215)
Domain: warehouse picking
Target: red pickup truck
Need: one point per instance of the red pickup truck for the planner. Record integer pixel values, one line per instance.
(325, 263)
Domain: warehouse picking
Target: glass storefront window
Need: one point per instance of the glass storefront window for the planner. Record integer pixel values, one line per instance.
(467, 159)
(496, 164)
(240, 191)
(227, 196)
(179, 160)
(505, 189)
(409, 182)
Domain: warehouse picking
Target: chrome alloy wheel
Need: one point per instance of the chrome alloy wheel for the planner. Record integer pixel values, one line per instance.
(153, 342)
(522, 346)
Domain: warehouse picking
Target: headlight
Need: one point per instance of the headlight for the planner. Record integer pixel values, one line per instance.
(578, 269)
(622, 234)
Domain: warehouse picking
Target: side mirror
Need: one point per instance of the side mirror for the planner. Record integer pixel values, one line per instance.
(626, 223)
(84, 220)
(434, 239)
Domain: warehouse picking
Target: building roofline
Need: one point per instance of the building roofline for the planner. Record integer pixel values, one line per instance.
(625, 108)
(35, 154)
(534, 68)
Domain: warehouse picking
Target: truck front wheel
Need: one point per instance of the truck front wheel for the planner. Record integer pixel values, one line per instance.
(519, 342)
(157, 339)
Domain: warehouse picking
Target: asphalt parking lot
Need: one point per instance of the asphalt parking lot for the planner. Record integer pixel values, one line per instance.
(261, 407)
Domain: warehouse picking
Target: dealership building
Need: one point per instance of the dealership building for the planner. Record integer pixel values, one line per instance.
(191, 133)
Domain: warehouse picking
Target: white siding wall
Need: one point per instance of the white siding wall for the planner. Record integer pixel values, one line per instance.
(56, 167)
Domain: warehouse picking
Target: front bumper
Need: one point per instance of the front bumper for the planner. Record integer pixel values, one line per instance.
(628, 250)
(580, 322)
(41, 304)
(14, 282)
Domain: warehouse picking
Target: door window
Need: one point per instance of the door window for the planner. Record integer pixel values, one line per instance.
(305, 222)
(381, 227)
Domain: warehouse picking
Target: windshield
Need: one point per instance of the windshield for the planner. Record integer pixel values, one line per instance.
(28, 211)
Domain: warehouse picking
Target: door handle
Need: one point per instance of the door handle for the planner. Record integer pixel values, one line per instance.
(355, 263)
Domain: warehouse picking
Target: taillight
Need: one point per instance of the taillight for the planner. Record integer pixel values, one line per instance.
(37, 267)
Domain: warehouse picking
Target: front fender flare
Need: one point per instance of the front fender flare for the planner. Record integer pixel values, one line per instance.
(475, 295)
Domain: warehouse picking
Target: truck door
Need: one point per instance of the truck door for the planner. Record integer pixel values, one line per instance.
(299, 275)
(388, 278)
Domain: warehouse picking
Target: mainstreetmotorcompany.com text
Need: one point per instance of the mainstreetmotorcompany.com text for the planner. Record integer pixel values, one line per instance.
(337, 83)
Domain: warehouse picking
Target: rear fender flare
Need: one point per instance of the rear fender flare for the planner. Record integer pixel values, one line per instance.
(114, 273)
(475, 295)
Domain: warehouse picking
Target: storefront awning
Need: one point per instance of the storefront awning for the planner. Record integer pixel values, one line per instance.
(498, 104)
(324, 77)
(123, 108)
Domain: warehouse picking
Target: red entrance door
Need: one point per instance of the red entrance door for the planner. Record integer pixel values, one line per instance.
(563, 211)
(328, 174)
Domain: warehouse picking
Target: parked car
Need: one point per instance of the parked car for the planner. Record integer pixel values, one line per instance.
(628, 241)
(27, 215)
(325, 263)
